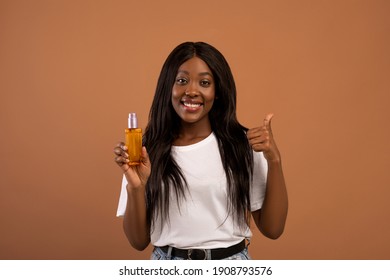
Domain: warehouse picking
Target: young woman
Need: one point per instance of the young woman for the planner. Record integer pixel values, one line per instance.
(203, 175)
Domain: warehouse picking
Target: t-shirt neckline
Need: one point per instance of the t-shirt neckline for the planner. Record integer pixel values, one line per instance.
(195, 145)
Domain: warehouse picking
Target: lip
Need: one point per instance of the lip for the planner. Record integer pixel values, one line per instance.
(191, 105)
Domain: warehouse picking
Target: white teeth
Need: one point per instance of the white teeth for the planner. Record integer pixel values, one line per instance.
(191, 105)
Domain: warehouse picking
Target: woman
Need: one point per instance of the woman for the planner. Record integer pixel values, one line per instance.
(202, 173)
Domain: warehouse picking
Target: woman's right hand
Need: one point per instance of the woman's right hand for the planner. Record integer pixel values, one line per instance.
(136, 175)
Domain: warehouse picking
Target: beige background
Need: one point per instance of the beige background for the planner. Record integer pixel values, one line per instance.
(70, 71)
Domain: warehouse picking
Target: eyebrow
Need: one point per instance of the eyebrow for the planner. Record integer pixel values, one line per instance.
(200, 74)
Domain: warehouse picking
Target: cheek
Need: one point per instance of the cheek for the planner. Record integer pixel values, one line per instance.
(174, 93)
(209, 103)
(210, 97)
(175, 102)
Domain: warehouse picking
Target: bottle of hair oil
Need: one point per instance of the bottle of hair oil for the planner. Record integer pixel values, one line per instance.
(133, 140)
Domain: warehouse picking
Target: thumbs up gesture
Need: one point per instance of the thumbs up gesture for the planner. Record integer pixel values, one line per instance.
(261, 140)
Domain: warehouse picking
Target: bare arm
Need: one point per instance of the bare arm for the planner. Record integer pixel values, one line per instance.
(271, 218)
(135, 223)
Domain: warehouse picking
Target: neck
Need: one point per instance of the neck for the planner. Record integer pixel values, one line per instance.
(191, 133)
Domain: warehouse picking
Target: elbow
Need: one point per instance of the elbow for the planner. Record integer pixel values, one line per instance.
(273, 227)
(272, 233)
(138, 236)
(137, 242)
(139, 246)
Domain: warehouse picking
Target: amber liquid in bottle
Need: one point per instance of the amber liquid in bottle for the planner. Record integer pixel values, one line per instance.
(133, 140)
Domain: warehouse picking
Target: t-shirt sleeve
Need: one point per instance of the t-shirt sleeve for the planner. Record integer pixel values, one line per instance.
(259, 181)
(122, 199)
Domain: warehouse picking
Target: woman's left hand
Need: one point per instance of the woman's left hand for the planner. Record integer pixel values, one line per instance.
(261, 140)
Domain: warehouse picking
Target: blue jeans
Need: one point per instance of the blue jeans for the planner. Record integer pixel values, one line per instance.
(159, 254)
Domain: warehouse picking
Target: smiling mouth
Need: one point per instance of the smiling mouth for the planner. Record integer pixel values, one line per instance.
(191, 105)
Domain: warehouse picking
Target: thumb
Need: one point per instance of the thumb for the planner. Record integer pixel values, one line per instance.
(145, 156)
(267, 120)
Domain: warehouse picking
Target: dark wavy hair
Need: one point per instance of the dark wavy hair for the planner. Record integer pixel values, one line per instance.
(164, 126)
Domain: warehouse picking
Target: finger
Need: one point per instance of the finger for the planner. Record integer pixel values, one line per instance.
(118, 151)
(121, 150)
(122, 146)
(256, 132)
(121, 160)
(252, 132)
(259, 147)
(259, 140)
(267, 120)
(145, 156)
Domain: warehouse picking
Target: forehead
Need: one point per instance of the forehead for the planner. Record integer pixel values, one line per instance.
(195, 65)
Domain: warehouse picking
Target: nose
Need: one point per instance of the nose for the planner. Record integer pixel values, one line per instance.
(192, 90)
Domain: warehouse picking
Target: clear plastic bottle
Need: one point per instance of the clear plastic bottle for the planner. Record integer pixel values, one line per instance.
(133, 140)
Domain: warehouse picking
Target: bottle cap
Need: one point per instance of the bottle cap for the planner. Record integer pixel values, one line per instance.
(132, 121)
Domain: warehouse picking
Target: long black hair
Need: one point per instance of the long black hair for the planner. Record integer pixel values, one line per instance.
(164, 126)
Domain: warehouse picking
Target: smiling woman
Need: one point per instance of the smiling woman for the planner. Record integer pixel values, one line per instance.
(202, 174)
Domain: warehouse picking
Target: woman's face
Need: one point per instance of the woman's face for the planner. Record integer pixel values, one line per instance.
(193, 92)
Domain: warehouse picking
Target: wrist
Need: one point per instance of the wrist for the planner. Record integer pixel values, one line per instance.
(275, 162)
(135, 189)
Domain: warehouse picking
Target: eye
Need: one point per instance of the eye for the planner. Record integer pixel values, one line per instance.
(205, 83)
(181, 81)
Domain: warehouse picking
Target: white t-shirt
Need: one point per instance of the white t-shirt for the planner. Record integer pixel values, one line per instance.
(202, 221)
